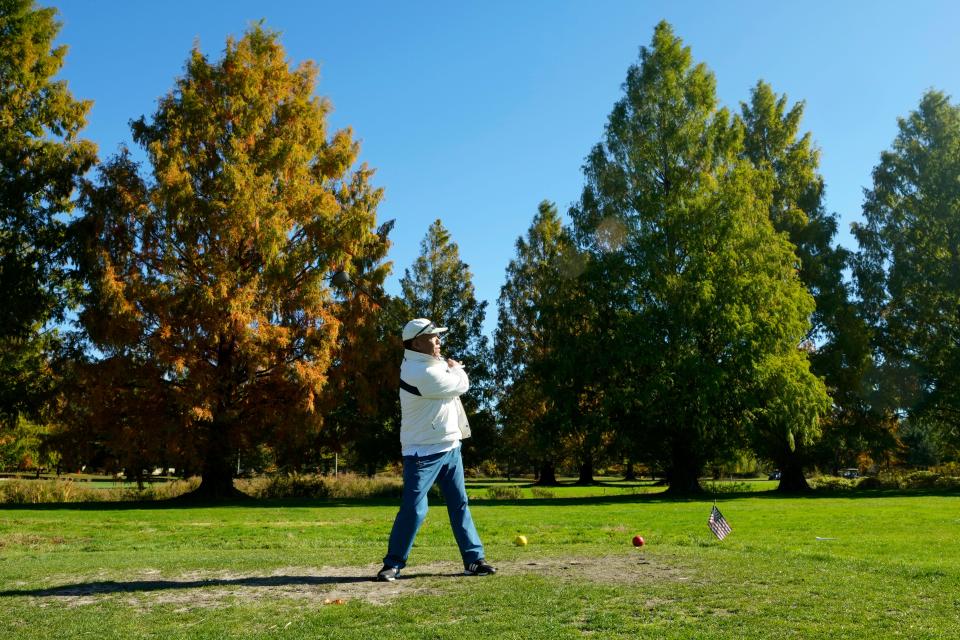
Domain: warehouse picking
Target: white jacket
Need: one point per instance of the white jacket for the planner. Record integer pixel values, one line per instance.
(436, 415)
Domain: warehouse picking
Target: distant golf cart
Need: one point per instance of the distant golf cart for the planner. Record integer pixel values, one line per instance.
(850, 473)
(775, 475)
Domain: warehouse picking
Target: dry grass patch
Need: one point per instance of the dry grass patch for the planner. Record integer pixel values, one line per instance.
(319, 586)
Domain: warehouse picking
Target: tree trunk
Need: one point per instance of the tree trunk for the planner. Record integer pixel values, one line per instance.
(216, 472)
(216, 482)
(684, 474)
(630, 474)
(684, 485)
(792, 479)
(586, 472)
(548, 475)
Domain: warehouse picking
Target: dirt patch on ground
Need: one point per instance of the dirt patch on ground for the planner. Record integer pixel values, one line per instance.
(330, 585)
(613, 569)
(29, 541)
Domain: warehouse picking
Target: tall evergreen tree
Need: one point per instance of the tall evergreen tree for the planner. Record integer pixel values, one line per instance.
(907, 269)
(585, 372)
(773, 143)
(42, 159)
(439, 286)
(708, 308)
(535, 282)
(208, 283)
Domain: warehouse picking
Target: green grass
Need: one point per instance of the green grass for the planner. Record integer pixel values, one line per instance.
(890, 568)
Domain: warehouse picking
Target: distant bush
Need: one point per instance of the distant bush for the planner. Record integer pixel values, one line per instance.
(871, 482)
(160, 490)
(833, 483)
(344, 485)
(896, 479)
(726, 487)
(901, 479)
(291, 486)
(948, 469)
(41, 491)
(285, 486)
(918, 480)
(508, 492)
(542, 492)
(948, 482)
(486, 469)
(56, 491)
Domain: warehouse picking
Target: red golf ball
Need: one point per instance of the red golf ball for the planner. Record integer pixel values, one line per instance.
(638, 541)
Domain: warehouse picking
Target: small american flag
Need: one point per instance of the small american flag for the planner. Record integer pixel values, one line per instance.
(717, 524)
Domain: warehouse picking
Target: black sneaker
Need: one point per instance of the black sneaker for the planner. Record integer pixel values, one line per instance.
(388, 574)
(479, 568)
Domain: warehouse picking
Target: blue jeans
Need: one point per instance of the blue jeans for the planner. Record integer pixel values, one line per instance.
(419, 474)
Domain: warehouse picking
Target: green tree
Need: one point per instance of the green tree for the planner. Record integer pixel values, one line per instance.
(708, 308)
(921, 444)
(907, 268)
(772, 143)
(23, 447)
(208, 282)
(585, 372)
(535, 283)
(439, 286)
(41, 161)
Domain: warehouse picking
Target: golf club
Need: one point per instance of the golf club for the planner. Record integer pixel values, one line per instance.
(341, 279)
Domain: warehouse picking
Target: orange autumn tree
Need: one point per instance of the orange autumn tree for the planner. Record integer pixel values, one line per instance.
(209, 304)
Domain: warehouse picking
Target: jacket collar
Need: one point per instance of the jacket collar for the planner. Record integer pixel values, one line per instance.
(416, 356)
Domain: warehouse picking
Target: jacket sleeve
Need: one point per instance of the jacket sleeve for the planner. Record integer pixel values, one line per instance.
(441, 382)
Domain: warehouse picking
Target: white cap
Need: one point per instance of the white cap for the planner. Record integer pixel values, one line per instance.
(420, 327)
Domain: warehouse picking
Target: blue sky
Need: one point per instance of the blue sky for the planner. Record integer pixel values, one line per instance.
(475, 112)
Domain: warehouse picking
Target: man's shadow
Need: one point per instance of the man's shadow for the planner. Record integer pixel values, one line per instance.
(113, 586)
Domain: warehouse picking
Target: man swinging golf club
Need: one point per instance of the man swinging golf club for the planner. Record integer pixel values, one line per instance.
(432, 425)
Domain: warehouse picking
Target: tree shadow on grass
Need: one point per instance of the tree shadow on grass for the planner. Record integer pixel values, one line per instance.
(327, 503)
(720, 496)
(852, 494)
(557, 501)
(162, 505)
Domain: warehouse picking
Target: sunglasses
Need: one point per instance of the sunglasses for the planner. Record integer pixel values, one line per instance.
(426, 328)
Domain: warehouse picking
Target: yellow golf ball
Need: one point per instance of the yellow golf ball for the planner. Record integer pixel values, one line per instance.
(520, 541)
